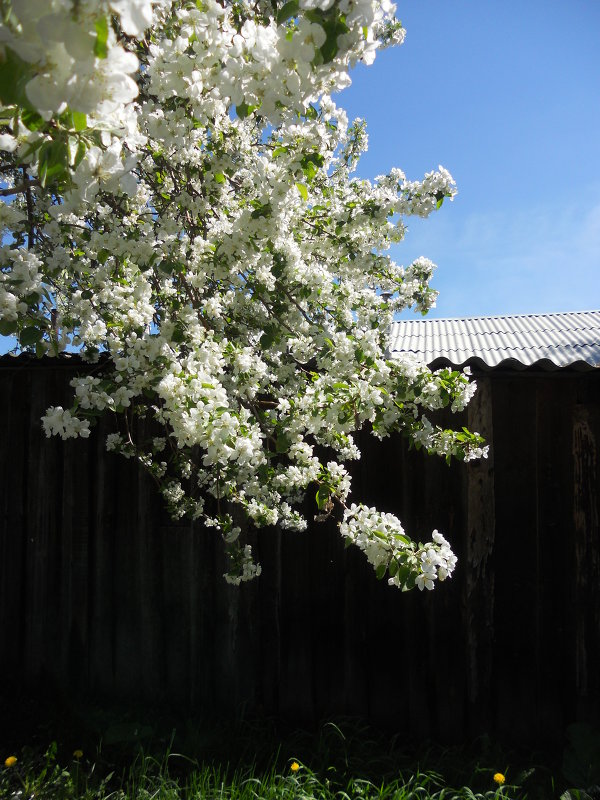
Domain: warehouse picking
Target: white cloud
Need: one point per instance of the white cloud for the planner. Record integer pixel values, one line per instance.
(532, 260)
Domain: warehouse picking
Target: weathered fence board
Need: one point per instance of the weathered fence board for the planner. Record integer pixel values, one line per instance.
(100, 593)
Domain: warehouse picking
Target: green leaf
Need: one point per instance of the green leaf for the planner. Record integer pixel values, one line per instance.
(219, 177)
(178, 335)
(333, 28)
(87, 294)
(278, 267)
(282, 444)
(8, 327)
(8, 116)
(244, 110)
(31, 149)
(403, 573)
(15, 74)
(322, 497)
(410, 582)
(310, 171)
(312, 159)
(261, 211)
(287, 11)
(100, 45)
(79, 154)
(53, 161)
(380, 571)
(166, 267)
(30, 335)
(267, 339)
(303, 190)
(32, 120)
(79, 121)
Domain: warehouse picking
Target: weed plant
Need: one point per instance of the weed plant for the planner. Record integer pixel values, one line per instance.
(344, 761)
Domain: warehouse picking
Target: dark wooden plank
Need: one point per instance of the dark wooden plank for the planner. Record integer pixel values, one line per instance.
(585, 588)
(296, 692)
(479, 590)
(74, 551)
(14, 414)
(554, 496)
(129, 671)
(147, 554)
(103, 565)
(42, 531)
(515, 557)
(269, 550)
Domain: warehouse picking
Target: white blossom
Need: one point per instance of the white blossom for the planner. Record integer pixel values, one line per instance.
(186, 215)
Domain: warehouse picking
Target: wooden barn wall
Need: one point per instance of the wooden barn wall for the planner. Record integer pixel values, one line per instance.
(101, 594)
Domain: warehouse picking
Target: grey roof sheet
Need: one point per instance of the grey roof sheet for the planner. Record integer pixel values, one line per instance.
(550, 340)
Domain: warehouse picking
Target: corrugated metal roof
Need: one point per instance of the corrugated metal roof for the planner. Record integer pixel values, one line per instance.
(550, 340)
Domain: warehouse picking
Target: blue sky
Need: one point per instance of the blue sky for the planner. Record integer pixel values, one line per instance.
(506, 96)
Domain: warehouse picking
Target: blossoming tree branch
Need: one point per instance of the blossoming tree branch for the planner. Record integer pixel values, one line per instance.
(180, 206)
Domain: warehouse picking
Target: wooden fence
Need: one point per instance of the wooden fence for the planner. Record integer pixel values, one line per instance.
(101, 594)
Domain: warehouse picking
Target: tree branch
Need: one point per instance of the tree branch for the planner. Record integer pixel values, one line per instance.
(20, 187)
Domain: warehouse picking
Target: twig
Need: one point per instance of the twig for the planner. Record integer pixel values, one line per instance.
(30, 219)
(20, 187)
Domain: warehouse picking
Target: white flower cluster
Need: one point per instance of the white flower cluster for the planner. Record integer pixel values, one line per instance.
(60, 422)
(437, 562)
(72, 55)
(383, 540)
(22, 282)
(184, 213)
(243, 567)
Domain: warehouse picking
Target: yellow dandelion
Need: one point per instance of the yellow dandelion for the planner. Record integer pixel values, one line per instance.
(78, 754)
(294, 766)
(10, 761)
(499, 778)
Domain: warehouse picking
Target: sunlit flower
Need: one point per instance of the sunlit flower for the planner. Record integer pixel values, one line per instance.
(231, 289)
(10, 761)
(294, 766)
(499, 778)
(78, 754)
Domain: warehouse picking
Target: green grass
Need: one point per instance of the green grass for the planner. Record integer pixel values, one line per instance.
(147, 778)
(253, 761)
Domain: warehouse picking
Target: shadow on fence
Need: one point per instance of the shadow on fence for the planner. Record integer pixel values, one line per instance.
(101, 594)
